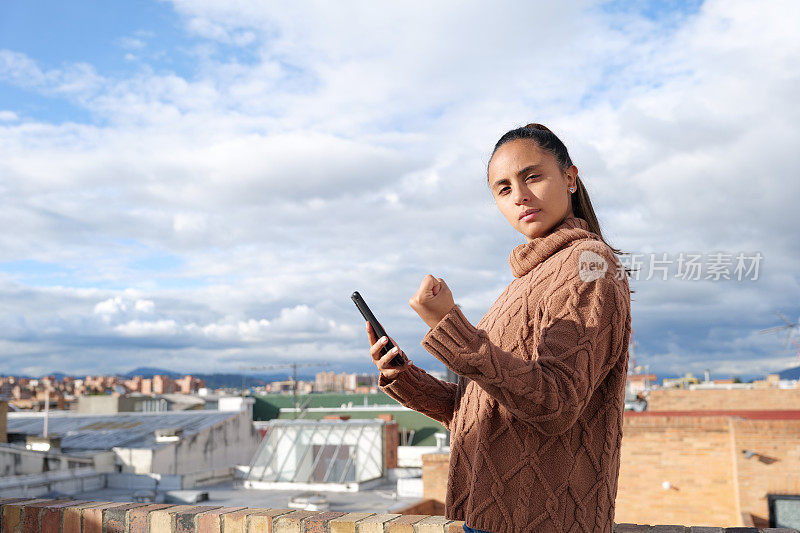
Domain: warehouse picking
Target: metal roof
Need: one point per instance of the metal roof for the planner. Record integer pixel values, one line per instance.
(81, 431)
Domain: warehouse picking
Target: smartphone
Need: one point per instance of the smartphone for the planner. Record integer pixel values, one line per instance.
(398, 359)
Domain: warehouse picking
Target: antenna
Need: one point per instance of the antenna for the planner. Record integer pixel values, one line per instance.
(286, 365)
(789, 327)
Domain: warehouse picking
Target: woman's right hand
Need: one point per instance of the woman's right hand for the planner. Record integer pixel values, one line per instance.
(383, 362)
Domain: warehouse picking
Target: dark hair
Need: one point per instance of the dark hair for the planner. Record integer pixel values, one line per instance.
(547, 140)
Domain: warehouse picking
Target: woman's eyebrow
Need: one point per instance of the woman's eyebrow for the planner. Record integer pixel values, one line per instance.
(525, 170)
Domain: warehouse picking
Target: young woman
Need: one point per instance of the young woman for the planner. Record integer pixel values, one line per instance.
(536, 417)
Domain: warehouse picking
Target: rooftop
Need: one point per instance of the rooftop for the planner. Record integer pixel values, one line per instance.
(378, 499)
(81, 431)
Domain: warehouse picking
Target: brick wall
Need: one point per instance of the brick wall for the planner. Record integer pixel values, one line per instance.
(435, 467)
(712, 481)
(775, 466)
(694, 454)
(60, 516)
(24, 516)
(737, 399)
(391, 440)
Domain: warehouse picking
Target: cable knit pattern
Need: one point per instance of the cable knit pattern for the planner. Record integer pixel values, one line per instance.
(536, 418)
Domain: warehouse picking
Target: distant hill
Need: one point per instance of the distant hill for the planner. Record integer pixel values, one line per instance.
(218, 381)
(149, 372)
(213, 380)
(790, 373)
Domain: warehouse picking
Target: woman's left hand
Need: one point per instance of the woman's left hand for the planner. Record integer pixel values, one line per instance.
(433, 300)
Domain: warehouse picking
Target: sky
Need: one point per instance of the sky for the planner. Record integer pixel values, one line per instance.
(200, 185)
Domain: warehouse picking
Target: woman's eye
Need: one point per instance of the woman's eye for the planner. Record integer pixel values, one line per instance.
(501, 191)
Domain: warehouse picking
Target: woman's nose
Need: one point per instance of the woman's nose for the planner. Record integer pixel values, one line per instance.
(522, 195)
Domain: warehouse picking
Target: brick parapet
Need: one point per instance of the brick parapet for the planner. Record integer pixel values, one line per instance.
(63, 516)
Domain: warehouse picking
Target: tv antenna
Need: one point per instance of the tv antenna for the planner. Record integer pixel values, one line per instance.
(293, 366)
(789, 327)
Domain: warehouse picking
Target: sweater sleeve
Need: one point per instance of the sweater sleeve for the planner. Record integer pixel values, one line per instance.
(580, 340)
(418, 390)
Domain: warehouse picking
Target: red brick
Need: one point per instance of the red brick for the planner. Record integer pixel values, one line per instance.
(319, 523)
(73, 515)
(93, 517)
(13, 513)
(115, 519)
(186, 521)
(4, 501)
(261, 520)
(51, 516)
(139, 518)
(210, 521)
(32, 513)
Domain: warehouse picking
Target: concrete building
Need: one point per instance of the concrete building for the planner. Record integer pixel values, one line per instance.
(138, 403)
(230, 403)
(174, 443)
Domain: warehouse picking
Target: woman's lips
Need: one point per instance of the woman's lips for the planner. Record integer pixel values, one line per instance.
(531, 216)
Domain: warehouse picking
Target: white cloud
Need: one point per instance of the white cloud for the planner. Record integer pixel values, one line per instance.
(131, 43)
(326, 158)
(112, 306)
(140, 328)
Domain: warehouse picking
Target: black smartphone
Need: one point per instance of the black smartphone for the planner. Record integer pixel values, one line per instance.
(398, 359)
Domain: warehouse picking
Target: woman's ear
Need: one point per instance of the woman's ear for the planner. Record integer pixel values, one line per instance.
(572, 177)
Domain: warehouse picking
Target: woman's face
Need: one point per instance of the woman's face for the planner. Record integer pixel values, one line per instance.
(522, 176)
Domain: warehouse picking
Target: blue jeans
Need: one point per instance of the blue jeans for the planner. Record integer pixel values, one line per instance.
(468, 529)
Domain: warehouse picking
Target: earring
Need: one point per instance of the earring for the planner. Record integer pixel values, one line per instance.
(572, 189)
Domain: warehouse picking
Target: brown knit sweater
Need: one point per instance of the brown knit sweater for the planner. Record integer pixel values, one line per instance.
(536, 417)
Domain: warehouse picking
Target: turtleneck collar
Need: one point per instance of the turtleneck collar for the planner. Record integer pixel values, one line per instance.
(527, 256)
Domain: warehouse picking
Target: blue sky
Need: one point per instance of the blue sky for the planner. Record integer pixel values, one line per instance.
(100, 33)
(201, 185)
